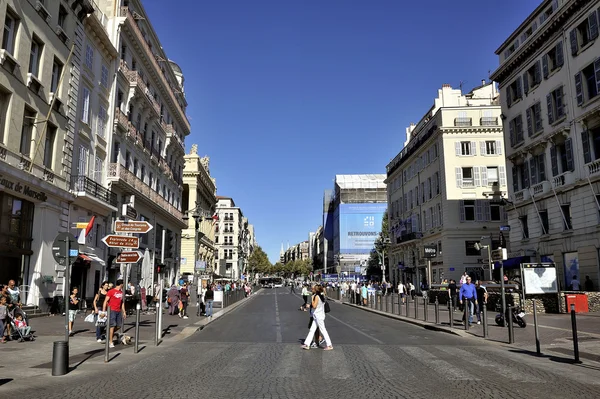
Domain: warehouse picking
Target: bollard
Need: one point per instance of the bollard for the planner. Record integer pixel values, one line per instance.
(451, 313)
(511, 331)
(466, 312)
(575, 339)
(156, 333)
(425, 315)
(416, 309)
(60, 358)
(485, 321)
(107, 343)
(406, 306)
(138, 307)
(386, 303)
(399, 305)
(437, 311)
(538, 349)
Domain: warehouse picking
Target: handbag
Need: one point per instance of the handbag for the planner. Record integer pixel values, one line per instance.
(90, 318)
(327, 308)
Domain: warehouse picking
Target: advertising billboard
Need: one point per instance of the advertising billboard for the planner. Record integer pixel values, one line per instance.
(359, 226)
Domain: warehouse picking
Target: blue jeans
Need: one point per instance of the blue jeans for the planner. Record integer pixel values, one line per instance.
(471, 304)
(209, 308)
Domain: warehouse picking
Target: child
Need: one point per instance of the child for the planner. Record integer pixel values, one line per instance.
(22, 326)
(3, 314)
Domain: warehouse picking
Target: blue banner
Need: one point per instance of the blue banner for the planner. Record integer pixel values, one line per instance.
(360, 225)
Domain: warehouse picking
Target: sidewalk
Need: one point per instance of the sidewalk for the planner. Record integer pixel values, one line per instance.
(34, 359)
(555, 330)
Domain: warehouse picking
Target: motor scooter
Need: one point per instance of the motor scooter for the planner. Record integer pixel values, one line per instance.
(518, 316)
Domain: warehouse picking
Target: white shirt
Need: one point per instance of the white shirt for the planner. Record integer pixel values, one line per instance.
(575, 285)
(401, 288)
(319, 312)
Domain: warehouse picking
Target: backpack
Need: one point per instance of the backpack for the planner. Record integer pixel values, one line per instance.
(326, 305)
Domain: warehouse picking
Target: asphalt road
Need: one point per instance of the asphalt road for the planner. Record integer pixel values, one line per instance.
(254, 352)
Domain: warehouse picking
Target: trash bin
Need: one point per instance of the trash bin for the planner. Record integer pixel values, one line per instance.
(60, 358)
(579, 300)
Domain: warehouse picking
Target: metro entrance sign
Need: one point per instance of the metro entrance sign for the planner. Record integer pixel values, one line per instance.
(129, 257)
(115, 241)
(133, 226)
(429, 251)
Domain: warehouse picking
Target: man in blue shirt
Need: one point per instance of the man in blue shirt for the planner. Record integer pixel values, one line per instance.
(469, 293)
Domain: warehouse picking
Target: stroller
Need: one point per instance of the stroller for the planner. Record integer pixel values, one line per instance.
(18, 333)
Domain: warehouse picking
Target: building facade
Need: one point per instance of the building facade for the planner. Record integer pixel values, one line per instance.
(232, 240)
(440, 186)
(549, 75)
(199, 204)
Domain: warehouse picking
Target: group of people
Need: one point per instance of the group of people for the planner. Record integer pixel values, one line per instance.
(10, 310)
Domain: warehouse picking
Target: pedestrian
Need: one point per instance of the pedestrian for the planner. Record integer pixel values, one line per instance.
(209, 296)
(588, 284)
(184, 296)
(452, 295)
(173, 297)
(411, 289)
(292, 288)
(575, 284)
(3, 318)
(98, 302)
(424, 287)
(305, 295)
(364, 291)
(114, 299)
(463, 278)
(469, 295)
(318, 304)
(401, 291)
(482, 296)
(73, 308)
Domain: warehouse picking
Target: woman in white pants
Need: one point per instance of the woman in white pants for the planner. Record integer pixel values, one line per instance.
(318, 300)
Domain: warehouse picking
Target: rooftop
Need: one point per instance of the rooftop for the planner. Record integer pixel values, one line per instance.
(360, 181)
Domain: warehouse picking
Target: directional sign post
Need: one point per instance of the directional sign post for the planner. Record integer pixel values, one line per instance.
(129, 257)
(132, 226)
(116, 241)
(499, 254)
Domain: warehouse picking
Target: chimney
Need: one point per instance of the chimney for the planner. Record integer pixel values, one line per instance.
(446, 85)
(483, 82)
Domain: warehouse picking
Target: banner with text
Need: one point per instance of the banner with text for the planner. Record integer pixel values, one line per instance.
(360, 225)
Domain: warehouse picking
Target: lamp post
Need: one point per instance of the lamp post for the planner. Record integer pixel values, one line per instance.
(198, 214)
(385, 244)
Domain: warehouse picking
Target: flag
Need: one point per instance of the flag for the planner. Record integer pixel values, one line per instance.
(90, 226)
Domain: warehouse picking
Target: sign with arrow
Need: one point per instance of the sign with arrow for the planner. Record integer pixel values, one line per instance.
(133, 226)
(129, 257)
(115, 241)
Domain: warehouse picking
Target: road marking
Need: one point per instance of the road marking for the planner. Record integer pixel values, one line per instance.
(387, 366)
(335, 365)
(442, 367)
(277, 321)
(290, 364)
(506, 372)
(356, 329)
(244, 361)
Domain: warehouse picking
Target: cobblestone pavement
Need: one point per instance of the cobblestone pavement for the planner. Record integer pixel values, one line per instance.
(254, 352)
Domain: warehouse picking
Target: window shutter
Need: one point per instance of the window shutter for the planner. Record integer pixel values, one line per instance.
(533, 168)
(529, 122)
(538, 116)
(487, 212)
(541, 166)
(416, 195)
(484, 179)
(593, 25)
(549, 105)
(574, 44)
(473, 148)
(525, 84)
(502, 175)
(457, 149)
(560, 106)
(585, 143)
(519, 128)
(499, 147)
(560, 57)
(508, 97)
(482, 149)
(525, 175)
(554, 161)
(503, 213)
(511, 128)
(519, 88)
(458, 177)
(569, 151)
(461, 206)
(515, 176)
(597, 73)
(545, 65)
(479, 210)
(476, 178)
(537, 73)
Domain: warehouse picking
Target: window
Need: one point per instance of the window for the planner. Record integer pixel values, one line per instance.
(537, 168)
(553, 60)
(11, 24)
(467, 177)
(49, 146)
(496, 212)
(4, 100)
(104, 76)
(57, 68)
(98, 165)
(598, 206)
(135, 167)
(27, 131)
(128, 160)
(587, 86)
(439, 213)
(82, 167)
(566, 213)
(545, 224)
(524, 226)
(561, 157)
(467, 210)
(532, 77)
(465, 148)
(590, 141)
(124, 52)
(515, 127)
(35, 56)
(471, 249)
(491, 175)
(491, 147)
(556, 109)
(85, 109)
(101, 130)
(534, 119)
(216, 239)
(514, 92)
(585, 33)
(89, 57)
(62, 17)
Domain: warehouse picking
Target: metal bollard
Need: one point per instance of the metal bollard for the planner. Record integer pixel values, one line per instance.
(406, 306)
(425, 315)
(451, 313)
(60, 358)
(538, 349)
(399, 305)
(511, 331)
(575, 339)
(386, 303)
(485, 321)
(107, 343)
(466, 312)
(416, 309)
(138, 308)
(437, 310)
(156, 328)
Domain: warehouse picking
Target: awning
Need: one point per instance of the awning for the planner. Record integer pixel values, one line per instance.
(85, 257)
(513, 263)
(91, 258)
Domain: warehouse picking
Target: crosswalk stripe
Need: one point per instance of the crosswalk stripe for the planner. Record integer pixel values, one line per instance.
(464, 355)
(388, 367)
(244, 361)
(335, 365)
(290, 364)
(442, 367)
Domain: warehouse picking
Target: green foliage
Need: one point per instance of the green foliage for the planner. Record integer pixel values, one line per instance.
(374, 264)
(259, 262)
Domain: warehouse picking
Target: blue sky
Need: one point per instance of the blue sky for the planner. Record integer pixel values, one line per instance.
(285, 94)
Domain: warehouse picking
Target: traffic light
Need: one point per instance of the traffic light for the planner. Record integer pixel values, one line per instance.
(159, 268)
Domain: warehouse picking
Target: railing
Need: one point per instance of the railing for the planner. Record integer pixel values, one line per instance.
(409, 237)
(172, 134)
(135, 78)
(463, 122)
(89, 186)
(121, 118)
(559, 180)
(488, 121)
(541, 188)
(594, 167)
(125, 12)
(522, 195)
(134, 133)
(117, 171)
(468, 183)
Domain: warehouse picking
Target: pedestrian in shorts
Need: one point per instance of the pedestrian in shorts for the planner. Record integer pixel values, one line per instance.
(114, 299)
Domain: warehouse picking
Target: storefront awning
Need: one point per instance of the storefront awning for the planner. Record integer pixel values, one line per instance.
(91, 258)
(85, 257)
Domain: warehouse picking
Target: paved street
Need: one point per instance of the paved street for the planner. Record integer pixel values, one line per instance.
(254, 352)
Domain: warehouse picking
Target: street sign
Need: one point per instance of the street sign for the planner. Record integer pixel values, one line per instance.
(429, 251)
(133, 226)
(81, 225)
(200, 265)
(499, 254)
(115, 241)
(59, 248)
(129, 257)
(504, 228)
(129, 211)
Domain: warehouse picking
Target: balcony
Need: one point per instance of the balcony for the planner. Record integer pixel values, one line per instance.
(463, 122)
(594, 167)
(130, 183)
(409, 237)
(172, 136)
(136, 82)
(488, 121)
(541, 188)
(84, 187)
(468, 183)
(563, 179)
(522, 195)
(121, 119)
(130, 20)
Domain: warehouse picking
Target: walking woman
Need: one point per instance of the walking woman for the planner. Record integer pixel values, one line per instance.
(318, 303)
(173, 298)
(98, 302)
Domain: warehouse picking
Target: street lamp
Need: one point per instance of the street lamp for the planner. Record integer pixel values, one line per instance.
(198, 214)
(479, 247)
(386, 243)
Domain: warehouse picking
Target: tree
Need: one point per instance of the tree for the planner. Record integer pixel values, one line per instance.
(381, 245)
(259, 262)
